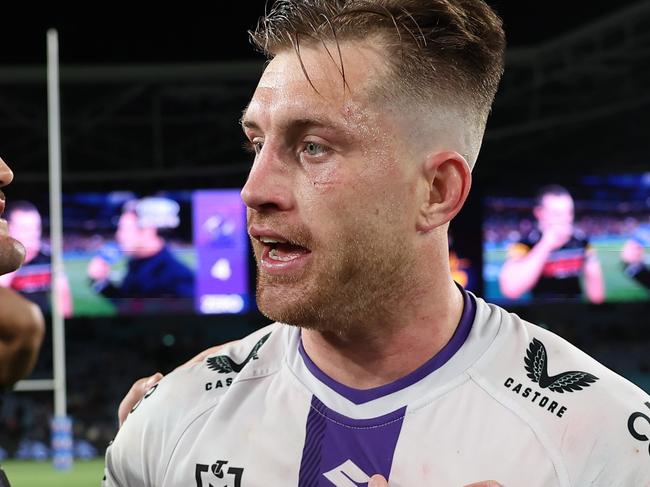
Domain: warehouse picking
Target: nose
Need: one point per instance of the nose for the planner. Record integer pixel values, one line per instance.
(268, 187)
(6, 175)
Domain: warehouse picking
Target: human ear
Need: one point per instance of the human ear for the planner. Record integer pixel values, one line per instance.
(448, 179)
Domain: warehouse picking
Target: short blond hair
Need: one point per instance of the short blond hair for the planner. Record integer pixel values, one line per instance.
(447, 52)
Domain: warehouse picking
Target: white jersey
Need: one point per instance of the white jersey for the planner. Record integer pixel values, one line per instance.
(504, 400)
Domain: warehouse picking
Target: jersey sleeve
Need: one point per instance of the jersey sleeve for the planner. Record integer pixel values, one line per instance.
(136, 457)
(593, 424)
(140, 454)
(110, 479)
(607, 443)
(620, 455)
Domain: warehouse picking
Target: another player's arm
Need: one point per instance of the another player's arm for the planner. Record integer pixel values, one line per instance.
(21, 333)
(593, 277)
(64, 295)
(98, 272)
(523, 268)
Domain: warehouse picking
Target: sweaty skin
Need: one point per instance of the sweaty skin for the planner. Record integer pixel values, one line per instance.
(322, 156)
(379, 205)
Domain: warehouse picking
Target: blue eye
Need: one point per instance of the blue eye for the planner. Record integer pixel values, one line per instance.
(314, 149)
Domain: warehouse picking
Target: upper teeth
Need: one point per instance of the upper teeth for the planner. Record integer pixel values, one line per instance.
(270, 240)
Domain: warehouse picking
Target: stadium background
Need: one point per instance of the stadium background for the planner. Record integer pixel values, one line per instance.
(152, 99)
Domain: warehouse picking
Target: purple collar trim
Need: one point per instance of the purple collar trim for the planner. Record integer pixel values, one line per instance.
(361, 396)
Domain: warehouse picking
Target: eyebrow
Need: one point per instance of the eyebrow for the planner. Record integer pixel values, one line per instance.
(242, 120)
(296, 123)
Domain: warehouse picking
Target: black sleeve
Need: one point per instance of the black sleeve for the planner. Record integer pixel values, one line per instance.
(106, 289)
(638, 272)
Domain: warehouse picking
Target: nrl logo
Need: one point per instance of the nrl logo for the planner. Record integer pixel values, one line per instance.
(225, 365)
(536, 365)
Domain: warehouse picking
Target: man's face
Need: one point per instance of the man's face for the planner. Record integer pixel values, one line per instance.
(555, 211)
(12, 252)
(136, 241)
(25, 226)
(128, 232)
(330, 183)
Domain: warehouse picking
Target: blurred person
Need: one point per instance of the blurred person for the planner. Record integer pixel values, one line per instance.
(364, 126)
(153, 271)
(551, 259)
(633, 256)
(34, 278)
(21, 322)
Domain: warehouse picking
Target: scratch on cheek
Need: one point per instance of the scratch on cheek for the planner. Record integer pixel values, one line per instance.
(322, 176)
(322, 183)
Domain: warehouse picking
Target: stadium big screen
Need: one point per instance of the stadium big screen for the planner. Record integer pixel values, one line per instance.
(582, 240)
(172, 252)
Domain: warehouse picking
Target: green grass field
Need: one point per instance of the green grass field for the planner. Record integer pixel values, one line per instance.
(41, 474)
(618, 287)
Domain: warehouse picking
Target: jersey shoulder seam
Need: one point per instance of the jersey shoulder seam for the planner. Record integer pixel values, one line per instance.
(180, 437)
(555, 458)
(210, 407)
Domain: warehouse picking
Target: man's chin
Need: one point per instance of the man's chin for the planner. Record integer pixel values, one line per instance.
(12, 254)
(286, 305)
(274, 305)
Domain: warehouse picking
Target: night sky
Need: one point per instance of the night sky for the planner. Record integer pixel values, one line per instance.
(101, 33)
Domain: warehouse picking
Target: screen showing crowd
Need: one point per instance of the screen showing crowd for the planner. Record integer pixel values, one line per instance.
(584, 241)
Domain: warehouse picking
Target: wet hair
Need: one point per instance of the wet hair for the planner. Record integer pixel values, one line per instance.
(437, 51)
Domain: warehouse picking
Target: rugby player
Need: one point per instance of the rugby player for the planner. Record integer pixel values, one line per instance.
(365, 126)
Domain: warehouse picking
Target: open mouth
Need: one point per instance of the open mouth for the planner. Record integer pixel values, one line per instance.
(282, 250)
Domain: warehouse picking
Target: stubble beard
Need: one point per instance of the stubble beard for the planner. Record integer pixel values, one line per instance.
(342, 291)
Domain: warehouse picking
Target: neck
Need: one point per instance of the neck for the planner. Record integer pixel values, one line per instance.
(395, 345)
